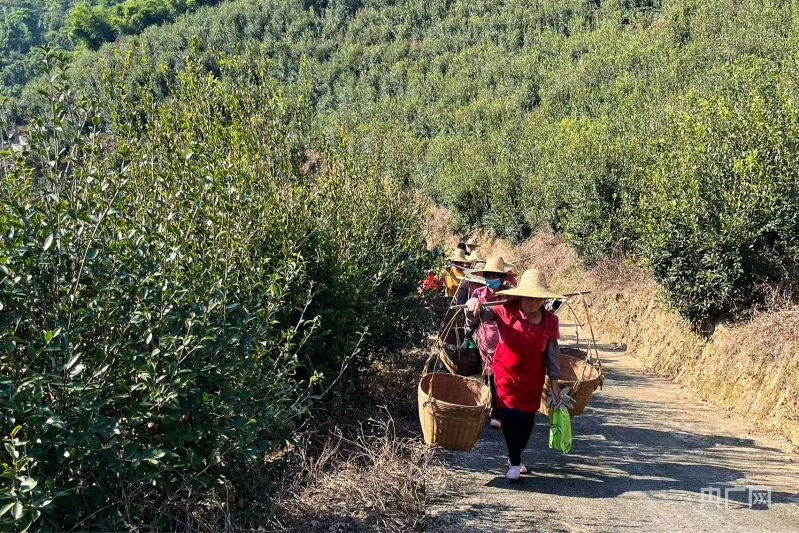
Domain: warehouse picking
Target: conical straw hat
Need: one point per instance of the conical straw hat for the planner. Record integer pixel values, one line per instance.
(459, 255)
(532, 285)
(494, 265)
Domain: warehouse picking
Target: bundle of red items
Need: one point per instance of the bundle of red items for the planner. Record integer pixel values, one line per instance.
(429, 283)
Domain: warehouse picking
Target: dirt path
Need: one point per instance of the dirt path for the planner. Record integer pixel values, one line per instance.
(643, 451)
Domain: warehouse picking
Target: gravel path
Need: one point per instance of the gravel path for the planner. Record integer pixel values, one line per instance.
(643, 451)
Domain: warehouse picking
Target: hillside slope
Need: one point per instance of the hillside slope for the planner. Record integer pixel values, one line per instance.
(665, 132)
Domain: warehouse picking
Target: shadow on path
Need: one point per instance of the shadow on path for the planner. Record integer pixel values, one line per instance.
(615, 453)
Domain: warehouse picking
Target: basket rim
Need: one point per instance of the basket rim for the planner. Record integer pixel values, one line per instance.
(597, 369)
(449, 375)
(432, 400)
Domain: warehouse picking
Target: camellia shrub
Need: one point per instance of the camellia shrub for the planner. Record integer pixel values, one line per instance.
(720, 213)
(175, 290)
(588, 118)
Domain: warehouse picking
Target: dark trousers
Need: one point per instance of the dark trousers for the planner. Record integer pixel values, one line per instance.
(489, 380)
(517, 427)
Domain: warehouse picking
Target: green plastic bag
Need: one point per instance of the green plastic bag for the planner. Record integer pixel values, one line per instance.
(560, 430)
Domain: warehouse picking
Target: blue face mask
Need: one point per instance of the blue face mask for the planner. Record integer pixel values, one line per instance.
(493, 284)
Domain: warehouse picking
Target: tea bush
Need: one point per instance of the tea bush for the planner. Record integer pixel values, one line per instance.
(721, 214)
(582, 201)
(517, 115)
(175, 291)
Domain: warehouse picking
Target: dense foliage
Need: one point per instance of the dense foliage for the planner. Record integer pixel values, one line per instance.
(179, 282)
(70, 25)
(655, 131)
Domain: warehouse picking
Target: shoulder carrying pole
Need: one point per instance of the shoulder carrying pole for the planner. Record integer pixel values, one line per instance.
(506, 302)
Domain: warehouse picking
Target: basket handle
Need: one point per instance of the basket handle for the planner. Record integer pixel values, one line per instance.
(590, 343)
(442, 333)
(577, 325)
(593, 341)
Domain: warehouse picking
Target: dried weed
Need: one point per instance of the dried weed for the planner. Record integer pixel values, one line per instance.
(369, 480)
(367, 468)
(439, 219)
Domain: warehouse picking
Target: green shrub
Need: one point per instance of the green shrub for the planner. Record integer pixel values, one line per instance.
(520, 115)
(575, 189)
(175, 291)
(719, 215)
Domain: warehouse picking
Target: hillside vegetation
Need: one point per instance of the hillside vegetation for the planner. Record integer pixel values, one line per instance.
(77, 25)
(178, 288)
(662, 132)
(216, 218)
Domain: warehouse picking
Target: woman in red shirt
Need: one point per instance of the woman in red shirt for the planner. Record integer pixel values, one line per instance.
(526, 353)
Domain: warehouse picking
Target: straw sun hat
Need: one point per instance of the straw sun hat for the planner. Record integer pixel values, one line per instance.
(472, 242)
(533, 284)
(494, 265)
(459, 255)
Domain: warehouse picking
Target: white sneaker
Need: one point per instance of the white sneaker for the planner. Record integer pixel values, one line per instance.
(496, 424)
(522, 468)
(513, 473)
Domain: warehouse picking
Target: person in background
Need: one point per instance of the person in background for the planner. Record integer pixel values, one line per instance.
(473, 255)
(472, 246)
(486, 334)
(453, 274)
(527, 353)
(462, 246)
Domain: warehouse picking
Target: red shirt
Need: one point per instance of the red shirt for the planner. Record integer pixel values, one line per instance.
(519, 361)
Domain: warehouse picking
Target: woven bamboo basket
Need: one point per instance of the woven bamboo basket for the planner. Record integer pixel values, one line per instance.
(574, 352)
(454, 359)
(452, 410)
(572, 362)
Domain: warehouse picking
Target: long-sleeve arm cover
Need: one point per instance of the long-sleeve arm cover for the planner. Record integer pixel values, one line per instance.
(552, 356)
(485, 314)
(463, 293)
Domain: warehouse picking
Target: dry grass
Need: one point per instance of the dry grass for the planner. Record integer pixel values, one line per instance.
(438, 228)
(754, 367)
(367, 469)
(373, 480)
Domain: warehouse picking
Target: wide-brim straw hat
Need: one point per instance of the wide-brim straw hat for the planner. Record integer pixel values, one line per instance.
(494, 265)
(533, 284)
(459, 255)
(472, 242)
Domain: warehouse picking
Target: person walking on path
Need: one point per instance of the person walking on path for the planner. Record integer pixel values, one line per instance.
(472, 246)
(527, 352)
(486, 333)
